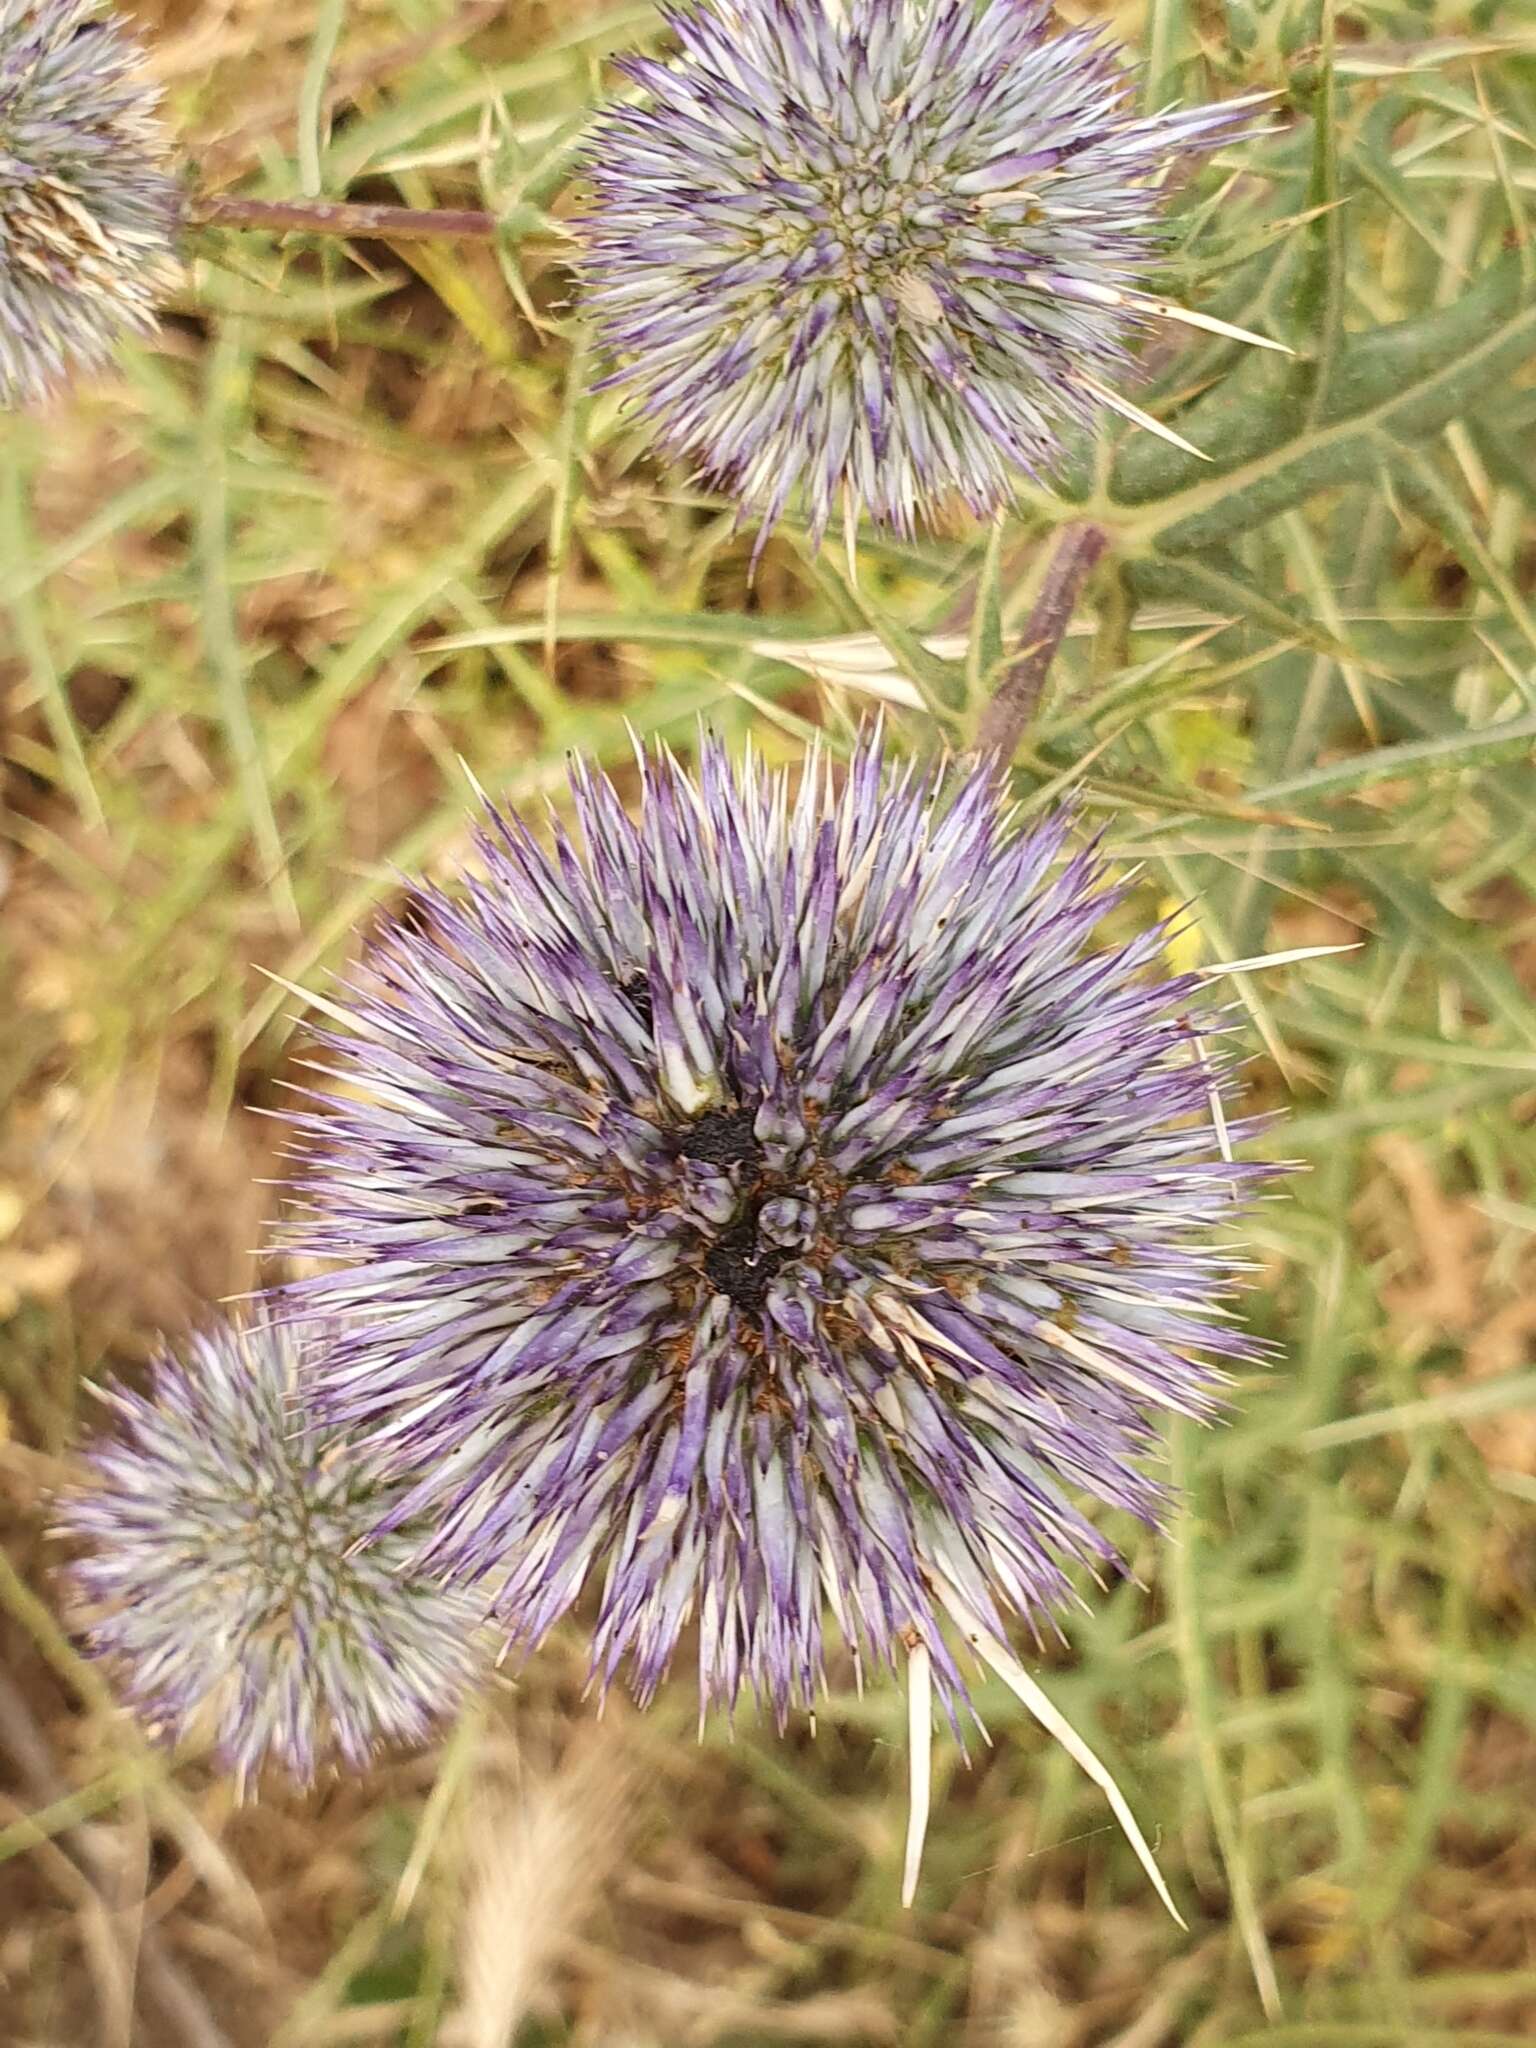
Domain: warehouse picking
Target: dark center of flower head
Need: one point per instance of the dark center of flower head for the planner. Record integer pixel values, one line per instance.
(637, 993)
(722, 1137)
(740, 1262)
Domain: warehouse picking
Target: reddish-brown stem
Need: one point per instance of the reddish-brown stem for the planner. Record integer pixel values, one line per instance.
(1007, 718)
(347, 217)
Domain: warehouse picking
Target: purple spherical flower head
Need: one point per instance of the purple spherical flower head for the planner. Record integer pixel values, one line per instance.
(88, 211)
(772, 1211)
(225, 1579)
(879, 251)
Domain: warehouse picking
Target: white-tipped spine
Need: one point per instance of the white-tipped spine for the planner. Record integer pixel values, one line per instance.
(920, 1757)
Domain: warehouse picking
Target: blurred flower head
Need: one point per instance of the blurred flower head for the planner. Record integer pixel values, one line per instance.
(876, 251)
(767, 1208)
(222, 1576)
(88, 210)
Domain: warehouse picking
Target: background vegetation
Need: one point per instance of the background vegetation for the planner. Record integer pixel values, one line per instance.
(355, 522)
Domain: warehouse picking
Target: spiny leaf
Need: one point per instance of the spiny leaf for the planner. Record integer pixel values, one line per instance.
(1411, 757)
(1320, 294)
(1406, 381)
(1217, 579)
(984, 654)
(728, 630)
(942, 682)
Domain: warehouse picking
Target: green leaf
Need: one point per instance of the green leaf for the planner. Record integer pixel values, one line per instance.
(1404, 382)
(713, 630)
(984, 656)
(1421, 484)
(1411, 757)
(330, 19)
(569, 452)
(1217, 579)
(1166, 37)
(1320, 288)
(941, 682)
(1196, 741)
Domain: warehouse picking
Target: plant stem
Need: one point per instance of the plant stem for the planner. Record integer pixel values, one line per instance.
(1007, 718)
(342, 217)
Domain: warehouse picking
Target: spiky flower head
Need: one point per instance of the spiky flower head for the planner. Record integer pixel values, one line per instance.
(88, 210)
(881, 251)
(770, 1209)
(222, 1577)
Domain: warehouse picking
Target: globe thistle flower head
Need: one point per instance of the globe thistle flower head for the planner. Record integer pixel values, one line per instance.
(770, 1210)
(222, 1575)
(882, 252)
(88, 211)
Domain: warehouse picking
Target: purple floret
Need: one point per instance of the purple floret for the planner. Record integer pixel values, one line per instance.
(768, 1208)
(88, 208)
(878, 251)
(222, 1575)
